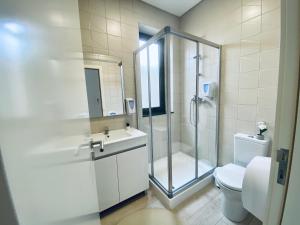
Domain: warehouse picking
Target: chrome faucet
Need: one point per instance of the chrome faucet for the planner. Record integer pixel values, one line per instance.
(106, 131)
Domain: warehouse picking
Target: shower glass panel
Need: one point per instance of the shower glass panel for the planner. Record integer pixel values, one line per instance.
(158, 115)
(208, 109)
(152, 111)
(183, 128)
(177, 83)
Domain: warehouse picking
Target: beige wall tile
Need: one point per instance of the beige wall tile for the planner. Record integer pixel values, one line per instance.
(249, 79)
(249, 73)
(268, 78)
(228, 111)
(269, 59)
(128, 17)
(271, 20)
(251, 2)
(230, 81)
(249, 63)
(126, 4)
(250, 11)
(251, 27)
(98, 23)
(85, 19)
(246, 112)
(84, 5)
(268, 5)
(114, 43)
(129, 31)
(231, 66)
(247, 96)
(96, 6)
(114, 27)
(270, 40)
(250, 45)
(266, 114)
(249, 57)
(86, 37)
(99, 40)
(247, 127)
(229, 97)
(267, 97)
(112, 9)
(110, 27)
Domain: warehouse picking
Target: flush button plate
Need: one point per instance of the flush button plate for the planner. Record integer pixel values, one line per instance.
(282, 159)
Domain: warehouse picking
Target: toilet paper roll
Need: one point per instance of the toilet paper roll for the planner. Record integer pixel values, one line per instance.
(255, 186)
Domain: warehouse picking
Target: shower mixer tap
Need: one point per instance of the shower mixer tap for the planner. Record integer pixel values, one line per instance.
(195, 100)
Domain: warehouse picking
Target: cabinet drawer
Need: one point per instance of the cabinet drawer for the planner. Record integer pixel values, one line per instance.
(132, 172)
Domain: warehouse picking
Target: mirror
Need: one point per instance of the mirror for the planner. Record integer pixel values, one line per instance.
(104, 85)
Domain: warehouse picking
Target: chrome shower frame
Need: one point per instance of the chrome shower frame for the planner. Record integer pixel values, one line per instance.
(165, 33)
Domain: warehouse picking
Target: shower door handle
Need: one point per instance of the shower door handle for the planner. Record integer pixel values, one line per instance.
(193, 109)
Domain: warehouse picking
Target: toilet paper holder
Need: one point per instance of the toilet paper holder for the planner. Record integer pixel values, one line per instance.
(282, 158)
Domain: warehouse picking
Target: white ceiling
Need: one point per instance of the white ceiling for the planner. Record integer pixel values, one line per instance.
(176, 7)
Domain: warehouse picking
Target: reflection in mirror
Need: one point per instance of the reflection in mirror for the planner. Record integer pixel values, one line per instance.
(105, 85)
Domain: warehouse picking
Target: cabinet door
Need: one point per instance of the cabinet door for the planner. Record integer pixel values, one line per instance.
(107, 182)
(133, 172)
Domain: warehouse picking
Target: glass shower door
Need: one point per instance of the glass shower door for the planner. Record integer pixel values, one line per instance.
(207, 133)
(174, 73)
(152, 114)
(183, 79)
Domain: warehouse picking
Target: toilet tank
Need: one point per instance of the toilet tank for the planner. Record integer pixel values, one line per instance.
(246, 147)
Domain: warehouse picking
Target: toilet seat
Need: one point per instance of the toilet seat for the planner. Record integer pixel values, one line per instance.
(230, 176)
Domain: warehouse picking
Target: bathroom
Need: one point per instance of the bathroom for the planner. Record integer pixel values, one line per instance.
(101, 141)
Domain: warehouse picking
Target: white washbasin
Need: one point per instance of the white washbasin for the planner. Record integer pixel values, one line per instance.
(119, 140)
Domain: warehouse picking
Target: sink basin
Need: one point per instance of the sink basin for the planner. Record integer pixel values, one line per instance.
(119, 140)
(116, 135)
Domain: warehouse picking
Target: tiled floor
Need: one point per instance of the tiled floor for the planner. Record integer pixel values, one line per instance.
(203, 208)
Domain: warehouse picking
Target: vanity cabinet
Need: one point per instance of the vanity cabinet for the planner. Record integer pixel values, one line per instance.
(107, 181)
(133, 172)
(121, 176)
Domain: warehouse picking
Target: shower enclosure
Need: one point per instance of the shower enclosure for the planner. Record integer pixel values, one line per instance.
(177, 86)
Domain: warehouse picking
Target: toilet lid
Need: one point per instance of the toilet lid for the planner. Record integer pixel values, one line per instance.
(231, 176)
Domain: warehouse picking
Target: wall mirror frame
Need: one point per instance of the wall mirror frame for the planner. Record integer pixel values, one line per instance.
(104, 76)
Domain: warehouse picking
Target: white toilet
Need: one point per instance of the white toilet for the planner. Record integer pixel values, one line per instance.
(230, 177)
